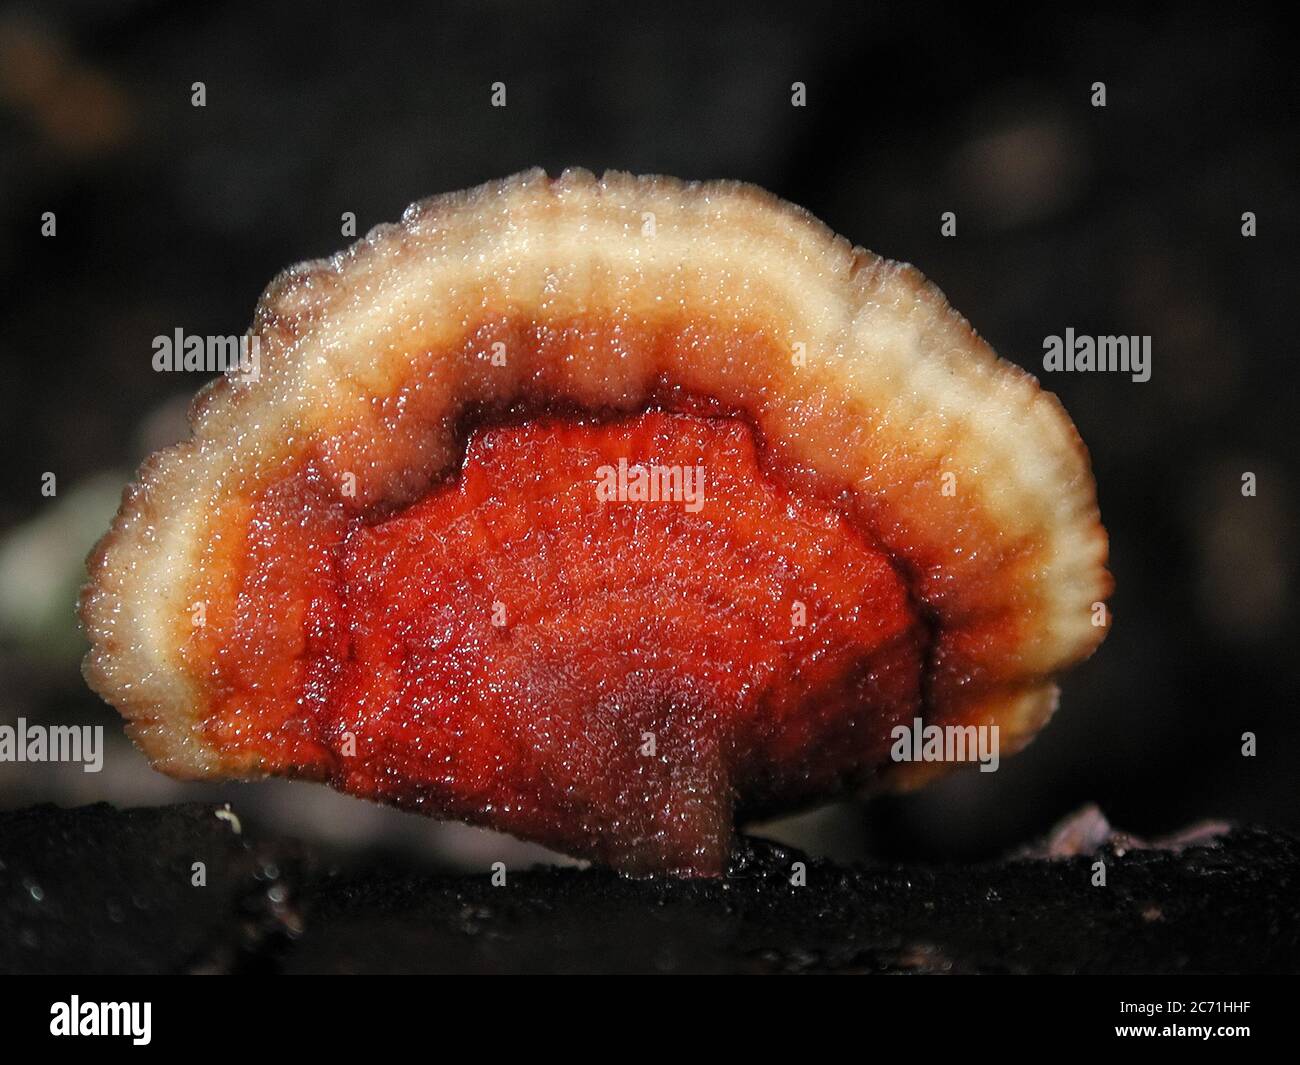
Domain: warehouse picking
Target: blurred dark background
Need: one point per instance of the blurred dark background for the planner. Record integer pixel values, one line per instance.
(1117, 220)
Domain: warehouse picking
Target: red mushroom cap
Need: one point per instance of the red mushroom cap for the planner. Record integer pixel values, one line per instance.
(601, 512)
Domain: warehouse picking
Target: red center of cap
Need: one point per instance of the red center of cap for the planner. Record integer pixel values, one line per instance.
(594, 637)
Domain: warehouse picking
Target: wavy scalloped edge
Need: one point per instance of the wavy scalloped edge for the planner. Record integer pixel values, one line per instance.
(884, 341)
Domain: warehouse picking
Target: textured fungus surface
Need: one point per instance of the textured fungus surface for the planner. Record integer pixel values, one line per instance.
(385, 560)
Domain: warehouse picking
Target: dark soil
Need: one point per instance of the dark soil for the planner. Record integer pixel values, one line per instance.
(96, 890)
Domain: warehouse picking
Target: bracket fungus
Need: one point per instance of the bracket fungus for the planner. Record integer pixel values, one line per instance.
(604, 512)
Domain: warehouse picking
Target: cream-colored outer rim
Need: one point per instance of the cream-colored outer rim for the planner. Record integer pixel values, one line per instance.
(336, 336)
